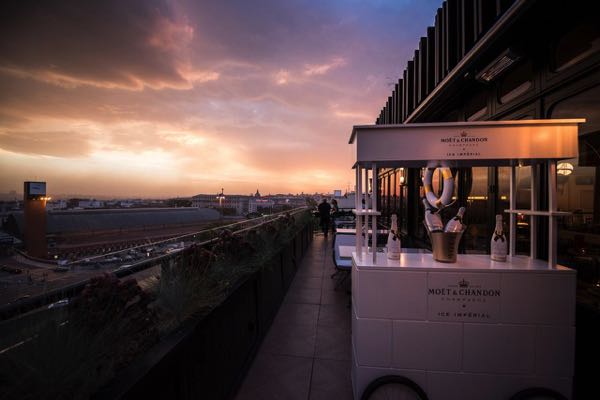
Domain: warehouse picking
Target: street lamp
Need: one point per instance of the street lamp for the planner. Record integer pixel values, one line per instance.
(221, 197)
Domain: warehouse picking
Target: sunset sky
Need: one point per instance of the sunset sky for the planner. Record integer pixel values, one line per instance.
(155, 98)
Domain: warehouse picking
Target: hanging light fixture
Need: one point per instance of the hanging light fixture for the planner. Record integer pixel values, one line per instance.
(564, 169)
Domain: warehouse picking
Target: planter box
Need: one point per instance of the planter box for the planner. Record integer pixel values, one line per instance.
(209, 357)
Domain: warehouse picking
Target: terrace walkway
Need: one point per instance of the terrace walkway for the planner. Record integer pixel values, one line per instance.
(307, 352)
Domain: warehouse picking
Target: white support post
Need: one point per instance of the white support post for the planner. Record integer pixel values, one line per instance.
(366, 198)
(366, 189)
(533, 218)
(513, 206)
(374, 207)
(357, 202)
(552, 221)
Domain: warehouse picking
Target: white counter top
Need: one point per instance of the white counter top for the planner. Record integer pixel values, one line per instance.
(352, 231)
(346, 251)
(464, 263)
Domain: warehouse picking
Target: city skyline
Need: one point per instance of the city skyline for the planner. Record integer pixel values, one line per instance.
(17, 195)
(176, 98)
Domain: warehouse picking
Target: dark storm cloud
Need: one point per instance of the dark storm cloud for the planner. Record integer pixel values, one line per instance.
(110, 43)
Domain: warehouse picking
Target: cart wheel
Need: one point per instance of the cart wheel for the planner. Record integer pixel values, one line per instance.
(393, 387)
(538, 393)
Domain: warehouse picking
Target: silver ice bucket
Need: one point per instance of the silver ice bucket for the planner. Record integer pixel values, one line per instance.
(444, 245)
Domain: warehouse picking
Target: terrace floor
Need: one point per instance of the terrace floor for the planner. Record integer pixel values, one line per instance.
(307, 352)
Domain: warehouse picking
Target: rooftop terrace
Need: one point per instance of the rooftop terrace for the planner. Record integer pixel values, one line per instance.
(307, 352)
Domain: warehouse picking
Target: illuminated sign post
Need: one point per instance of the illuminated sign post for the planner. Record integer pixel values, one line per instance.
(35, 190)
(34, 229)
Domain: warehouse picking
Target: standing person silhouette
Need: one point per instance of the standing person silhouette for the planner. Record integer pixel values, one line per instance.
(324, 214)
(334, 213)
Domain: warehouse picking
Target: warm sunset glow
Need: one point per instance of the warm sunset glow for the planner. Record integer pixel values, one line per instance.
(174, 98)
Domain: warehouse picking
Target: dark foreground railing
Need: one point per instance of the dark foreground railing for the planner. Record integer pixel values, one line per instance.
(209, 357)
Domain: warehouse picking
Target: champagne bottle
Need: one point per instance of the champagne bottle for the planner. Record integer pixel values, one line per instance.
(499, 244)
(456, 224)
(393, 242)
(432, 220)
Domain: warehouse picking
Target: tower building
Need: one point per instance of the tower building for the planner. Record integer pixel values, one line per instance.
(34, 200)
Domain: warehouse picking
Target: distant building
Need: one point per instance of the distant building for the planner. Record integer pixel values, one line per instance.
(57, 205)
(257, 204)
(33, 227)
(9, 196)
(236, 202)
(8, 206)
(92, 231)
(287, 201)
(242, 205)
(346, 201)
(91, 204)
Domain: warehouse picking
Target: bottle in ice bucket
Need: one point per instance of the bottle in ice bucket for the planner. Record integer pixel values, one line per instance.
(432, 220)
(456, 223)
(393, 242)
(499, 244)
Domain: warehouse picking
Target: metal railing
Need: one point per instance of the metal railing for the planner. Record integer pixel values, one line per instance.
(201, 238)
(190, 238)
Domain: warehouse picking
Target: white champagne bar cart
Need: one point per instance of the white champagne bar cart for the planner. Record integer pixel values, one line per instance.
(477, 328)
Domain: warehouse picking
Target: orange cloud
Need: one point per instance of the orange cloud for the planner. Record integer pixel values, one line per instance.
(322, 69)
(164, 98)
(171, 35)
(282, 77)
(63, 144)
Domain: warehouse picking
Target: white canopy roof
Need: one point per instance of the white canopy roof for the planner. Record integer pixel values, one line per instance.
(462, 144)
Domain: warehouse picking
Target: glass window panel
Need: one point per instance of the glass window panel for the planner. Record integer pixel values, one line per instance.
(578, 192)
(383, 196)
(576, 45)
(477, 115)
(452, 116)
(402, 193)
(404, 207)
(394, 193)
(503, 189)
(477, 235)
(477, 106)
(388, 210)
(523, 201)
(523, 242)
(523, 187)
(516, 92)
(517, 82)
(420, 228)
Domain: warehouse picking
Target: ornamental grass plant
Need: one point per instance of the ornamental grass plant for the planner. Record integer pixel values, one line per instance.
(112, 322)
